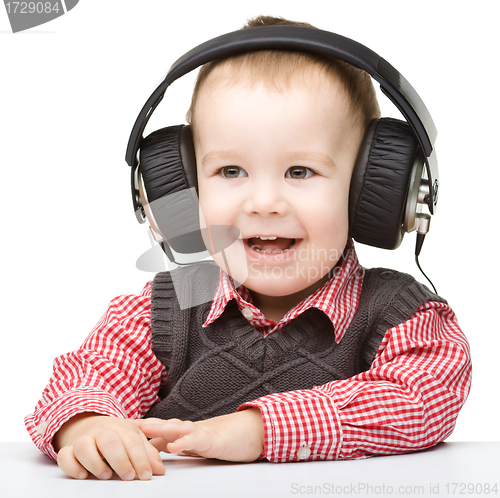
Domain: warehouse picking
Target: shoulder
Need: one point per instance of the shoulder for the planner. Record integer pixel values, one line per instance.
(200, 273)
(391, 285)
(389, 298)
(190, 284)
(201, 269)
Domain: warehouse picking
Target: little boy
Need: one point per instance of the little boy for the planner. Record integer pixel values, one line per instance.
(276, 136)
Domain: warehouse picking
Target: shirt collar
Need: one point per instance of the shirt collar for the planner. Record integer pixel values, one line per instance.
(337, 298)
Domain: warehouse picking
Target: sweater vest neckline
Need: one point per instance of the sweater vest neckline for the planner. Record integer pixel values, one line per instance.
(212, 370)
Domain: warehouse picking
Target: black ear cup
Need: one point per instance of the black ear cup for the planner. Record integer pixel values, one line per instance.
(377, 197)
(168, 170)
(380, 182)
(167, 161)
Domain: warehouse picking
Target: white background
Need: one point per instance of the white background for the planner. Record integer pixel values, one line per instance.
(70, 91)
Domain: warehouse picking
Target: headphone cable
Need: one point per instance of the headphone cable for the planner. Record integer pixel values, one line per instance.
(422, 271)
(422, 229)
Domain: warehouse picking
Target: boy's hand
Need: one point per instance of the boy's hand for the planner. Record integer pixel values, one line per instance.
(99, 444)
(237, 437)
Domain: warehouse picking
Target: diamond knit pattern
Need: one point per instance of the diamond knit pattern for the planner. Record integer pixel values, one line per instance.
(213, 370)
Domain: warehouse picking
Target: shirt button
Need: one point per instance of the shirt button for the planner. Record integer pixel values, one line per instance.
(247, 313)
(40, 429)
(304, 453)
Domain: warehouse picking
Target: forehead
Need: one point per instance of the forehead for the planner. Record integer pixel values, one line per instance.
(232, 96)
(307, 96)
(276, 71)
(242, 122)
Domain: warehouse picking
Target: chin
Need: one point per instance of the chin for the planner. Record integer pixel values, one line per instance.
(270, 290)
(277, 287)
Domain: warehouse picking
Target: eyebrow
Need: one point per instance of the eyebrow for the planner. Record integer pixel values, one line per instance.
(219, 155)
(294, 156)
(317, 157)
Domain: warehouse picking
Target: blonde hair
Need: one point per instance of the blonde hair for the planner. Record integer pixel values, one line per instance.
(276, 68)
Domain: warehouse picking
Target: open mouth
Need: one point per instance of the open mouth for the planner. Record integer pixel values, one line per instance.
(271, 245)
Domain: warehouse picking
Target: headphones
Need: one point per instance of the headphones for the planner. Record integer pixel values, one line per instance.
(395, 174)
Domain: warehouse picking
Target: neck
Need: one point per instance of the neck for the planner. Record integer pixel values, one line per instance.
(276, 307)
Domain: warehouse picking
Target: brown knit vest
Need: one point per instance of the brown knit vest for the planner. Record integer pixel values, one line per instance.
(213, 370)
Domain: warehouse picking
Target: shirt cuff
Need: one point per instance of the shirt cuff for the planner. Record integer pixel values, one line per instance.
(47, 420)
(299, 425)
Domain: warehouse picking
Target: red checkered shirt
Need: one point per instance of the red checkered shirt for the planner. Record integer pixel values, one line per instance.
(409, 399)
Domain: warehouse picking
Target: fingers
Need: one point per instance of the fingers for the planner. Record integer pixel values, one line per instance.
(82, 458)
(154, 458)
(196, 442)
(176, 436)
(125, 454)
(128, 454)
(170, 430)
(140, 422)
(69, 464)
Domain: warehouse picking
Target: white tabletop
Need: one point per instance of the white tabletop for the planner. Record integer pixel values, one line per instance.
(449, 469)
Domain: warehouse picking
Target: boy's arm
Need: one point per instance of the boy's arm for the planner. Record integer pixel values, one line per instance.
(408, 400)
(114, 373)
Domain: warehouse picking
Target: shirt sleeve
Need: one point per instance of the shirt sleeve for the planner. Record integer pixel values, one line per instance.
(409, 399)
(115, 372)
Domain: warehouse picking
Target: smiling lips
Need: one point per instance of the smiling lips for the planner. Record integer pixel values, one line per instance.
(270, 244)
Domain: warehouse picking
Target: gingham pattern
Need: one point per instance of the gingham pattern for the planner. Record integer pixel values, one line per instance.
(114, 372)
(409, 399)
(337, 298)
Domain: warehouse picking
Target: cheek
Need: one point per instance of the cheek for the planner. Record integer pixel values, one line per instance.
(327, 211)
(208, 200)
(328, 236)
(327, 225)
(216, 206)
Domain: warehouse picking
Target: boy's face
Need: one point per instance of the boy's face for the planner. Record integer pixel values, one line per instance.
(277, 164)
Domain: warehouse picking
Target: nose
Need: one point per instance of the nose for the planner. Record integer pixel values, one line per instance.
(266, 198)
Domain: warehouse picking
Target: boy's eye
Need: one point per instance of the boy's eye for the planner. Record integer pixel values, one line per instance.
(232, 172)
(299, 173)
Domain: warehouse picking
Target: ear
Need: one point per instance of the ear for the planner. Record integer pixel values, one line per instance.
(168, 170)
(168, 162)
(380, 183)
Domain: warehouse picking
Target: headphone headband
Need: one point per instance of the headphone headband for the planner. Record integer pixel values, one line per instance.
(304, 39)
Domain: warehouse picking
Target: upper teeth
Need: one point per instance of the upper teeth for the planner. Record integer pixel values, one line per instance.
(266, 238)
